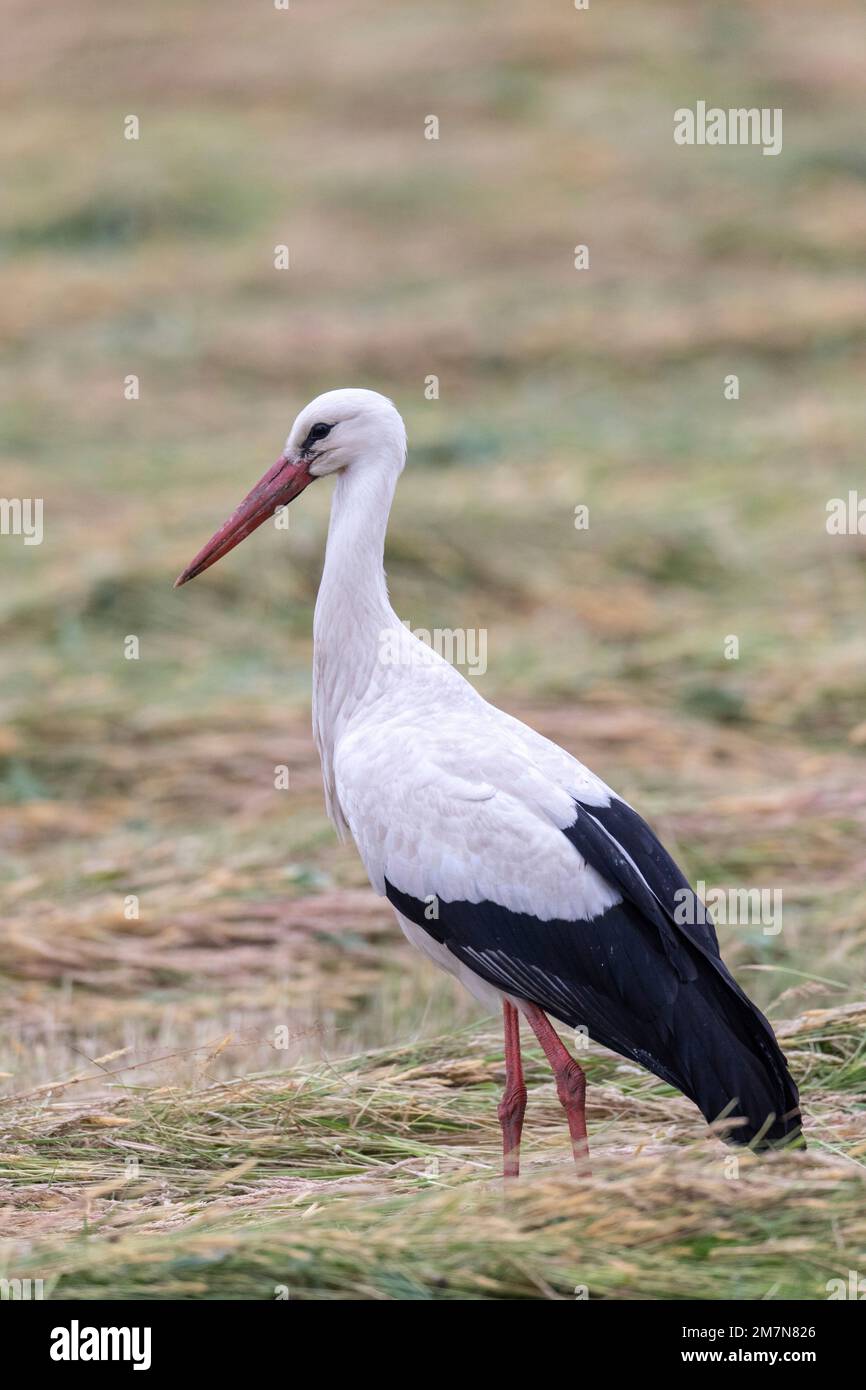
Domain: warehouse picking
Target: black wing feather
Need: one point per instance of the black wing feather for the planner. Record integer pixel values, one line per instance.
(647, 987)
(619, 844)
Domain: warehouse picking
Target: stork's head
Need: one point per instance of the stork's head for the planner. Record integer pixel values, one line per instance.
(339, 431)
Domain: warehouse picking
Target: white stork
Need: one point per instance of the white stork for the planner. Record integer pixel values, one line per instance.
(507, 862)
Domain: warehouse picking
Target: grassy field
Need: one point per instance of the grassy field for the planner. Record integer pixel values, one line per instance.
(254, 1086)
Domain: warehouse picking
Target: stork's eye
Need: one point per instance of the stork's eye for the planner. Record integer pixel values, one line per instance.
(320, 431)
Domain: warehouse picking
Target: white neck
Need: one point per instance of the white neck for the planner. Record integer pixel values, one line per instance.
(352, 609)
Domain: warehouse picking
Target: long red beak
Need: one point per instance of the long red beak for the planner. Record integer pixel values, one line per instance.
(279, 486)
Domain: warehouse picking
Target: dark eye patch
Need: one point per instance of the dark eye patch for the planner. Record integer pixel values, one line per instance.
(320, 431)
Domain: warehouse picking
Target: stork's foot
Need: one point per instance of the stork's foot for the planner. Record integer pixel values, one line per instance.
(571, 1089)
(570, 1083)
(512, 1107)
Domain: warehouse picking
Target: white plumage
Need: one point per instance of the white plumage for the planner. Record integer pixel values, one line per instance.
(437, 786)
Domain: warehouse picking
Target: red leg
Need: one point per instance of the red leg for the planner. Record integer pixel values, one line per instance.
(570, 1081)
(513, 1104)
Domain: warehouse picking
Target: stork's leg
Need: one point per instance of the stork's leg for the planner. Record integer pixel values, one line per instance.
(570, 1081)
(512, 1107)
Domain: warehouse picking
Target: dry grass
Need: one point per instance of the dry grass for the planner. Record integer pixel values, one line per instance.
(375, 1177)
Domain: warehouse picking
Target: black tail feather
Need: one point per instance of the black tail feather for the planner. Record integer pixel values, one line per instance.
(730, 1063)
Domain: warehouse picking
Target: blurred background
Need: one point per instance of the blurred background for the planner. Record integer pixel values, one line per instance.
(410, 258)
